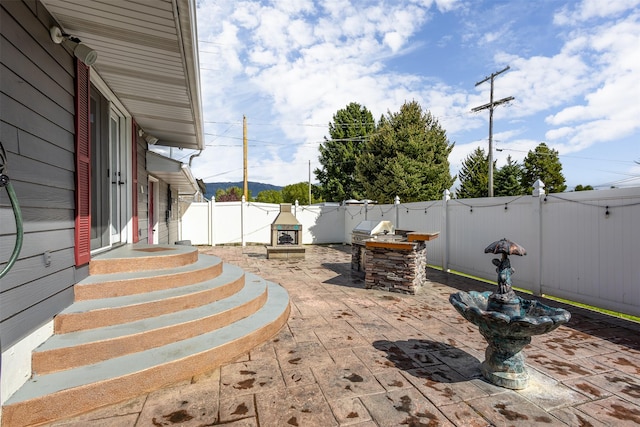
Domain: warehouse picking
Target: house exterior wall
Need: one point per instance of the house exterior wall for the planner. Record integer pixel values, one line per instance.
(37, 132)
(173, 223)
(143, 192)
(163, 206)
(167, 231)
(174, 219)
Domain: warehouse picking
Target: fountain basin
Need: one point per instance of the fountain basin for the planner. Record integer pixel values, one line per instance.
(507, 324)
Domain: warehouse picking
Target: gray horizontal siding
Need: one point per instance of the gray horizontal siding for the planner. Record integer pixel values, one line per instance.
(35, 244)
(29, 71)
(13, 329)
(34, 220)
(163, 205)
(37, 131)
(143, 198)
(18, 295)
(37, 172)
(167, 229)
(58, 152)
(21, 117)
(15, 87)
(37, 195)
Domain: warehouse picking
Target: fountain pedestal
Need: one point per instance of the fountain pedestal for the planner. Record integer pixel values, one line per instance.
(504, 360)
(507, 326)
(506, 321)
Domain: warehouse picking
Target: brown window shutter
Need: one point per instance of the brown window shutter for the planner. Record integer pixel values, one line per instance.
(83, 166)
(134, 174)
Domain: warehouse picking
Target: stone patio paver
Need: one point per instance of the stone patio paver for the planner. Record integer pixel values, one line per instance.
(355, 357)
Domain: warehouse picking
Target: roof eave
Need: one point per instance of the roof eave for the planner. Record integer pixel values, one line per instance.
(188, 33)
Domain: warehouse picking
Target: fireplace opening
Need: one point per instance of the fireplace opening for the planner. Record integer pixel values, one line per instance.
(287, 237)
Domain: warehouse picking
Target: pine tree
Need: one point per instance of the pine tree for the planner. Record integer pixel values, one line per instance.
(508, 180)
(474, 175)
(407, 156)
(543, 163)
(338, 154)
(581, 187)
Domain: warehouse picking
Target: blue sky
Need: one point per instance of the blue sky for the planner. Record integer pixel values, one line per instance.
(290, 65)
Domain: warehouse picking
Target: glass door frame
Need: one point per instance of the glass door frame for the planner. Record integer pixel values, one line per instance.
(119, 159)
(112, 108)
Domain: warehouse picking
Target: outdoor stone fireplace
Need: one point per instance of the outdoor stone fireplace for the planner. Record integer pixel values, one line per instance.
(286, 235)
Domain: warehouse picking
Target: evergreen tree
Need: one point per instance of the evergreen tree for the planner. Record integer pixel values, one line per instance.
(581, 187)
(338, 154)
(474, 175)
(269, 196)
(508, 180)
(407, 157)
(543, 163)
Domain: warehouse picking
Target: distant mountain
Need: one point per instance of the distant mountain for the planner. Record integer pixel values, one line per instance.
(254, 187)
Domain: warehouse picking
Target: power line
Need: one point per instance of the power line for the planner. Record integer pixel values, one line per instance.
(344, 125)
(208, 42)
(568, 155)
(271, 143)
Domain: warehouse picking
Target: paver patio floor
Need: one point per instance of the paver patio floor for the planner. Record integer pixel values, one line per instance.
(358, 357)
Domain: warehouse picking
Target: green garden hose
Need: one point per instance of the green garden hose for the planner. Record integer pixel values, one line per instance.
(17, 214)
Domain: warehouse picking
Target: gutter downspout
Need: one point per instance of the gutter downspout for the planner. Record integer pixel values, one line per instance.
(194, 155)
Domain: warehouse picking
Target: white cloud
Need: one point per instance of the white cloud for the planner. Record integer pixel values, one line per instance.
(590, 9)
(610, 111)
(393, 40)
(297, 62)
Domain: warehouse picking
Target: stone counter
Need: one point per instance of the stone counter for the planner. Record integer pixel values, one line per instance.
(397, 266)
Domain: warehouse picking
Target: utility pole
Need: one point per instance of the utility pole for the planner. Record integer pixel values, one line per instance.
(245, 188)
(309, 182)
(491, 105)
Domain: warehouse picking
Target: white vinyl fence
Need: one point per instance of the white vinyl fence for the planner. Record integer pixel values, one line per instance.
(583, 246)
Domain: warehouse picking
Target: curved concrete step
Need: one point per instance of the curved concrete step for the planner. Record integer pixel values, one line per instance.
(63, 394)
(138, 257)
(120, 284)
(67, 351)
(98, 313)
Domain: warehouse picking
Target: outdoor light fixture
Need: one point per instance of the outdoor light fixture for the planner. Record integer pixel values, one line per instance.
(150, 139)
(81, 51)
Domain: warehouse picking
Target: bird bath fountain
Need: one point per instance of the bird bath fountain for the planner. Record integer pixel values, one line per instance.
(506, 321)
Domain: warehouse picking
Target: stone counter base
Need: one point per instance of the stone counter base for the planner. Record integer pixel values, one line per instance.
(396, 267)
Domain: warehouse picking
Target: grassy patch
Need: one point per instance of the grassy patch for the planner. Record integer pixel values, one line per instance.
(596, 309)
(562, 300)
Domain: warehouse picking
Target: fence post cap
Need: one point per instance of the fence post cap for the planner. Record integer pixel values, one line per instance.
(538, 188)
